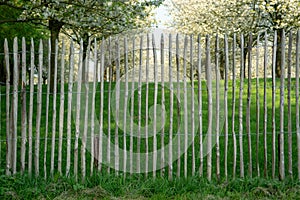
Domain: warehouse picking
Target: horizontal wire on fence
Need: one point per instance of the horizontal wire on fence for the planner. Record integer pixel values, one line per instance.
(166, 134)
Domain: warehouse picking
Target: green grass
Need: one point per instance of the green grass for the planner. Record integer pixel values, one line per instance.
(220, 189)
(113, 187)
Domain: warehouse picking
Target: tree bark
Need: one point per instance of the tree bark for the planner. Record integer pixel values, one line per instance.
(54, 27)
(278, 53)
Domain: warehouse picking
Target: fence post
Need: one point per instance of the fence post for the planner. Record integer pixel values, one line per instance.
(273, 105)
(171, 110)
(209, 97)
(8, 134)
(39, 110)
(297, 100)
(24, 110)
(217, 108)
(61, 107)
(281, 134)
(199, 69)
(233, 106)
(241, 109)
(54, 110)
(69, 114)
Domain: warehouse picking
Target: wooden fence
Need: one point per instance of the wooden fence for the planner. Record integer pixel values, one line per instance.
(150, 104)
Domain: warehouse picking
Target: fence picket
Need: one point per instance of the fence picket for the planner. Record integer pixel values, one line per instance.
(30, 108)
(241, 109)
(15, 106)
(233, 106)
(69, 114)
(61, 108)
(185, 116)
(170, 172)
(217, 131)
(125, 108)
(8, 134)
(265, 106)
(273, 105)
(39, 110)
(226, 106)
(281, 134)
(210, 107)
(77, 118)
(147, 110)
(139, 106)
(95, 75)
(154, 107)
(84, 138)
(178, 103)
(248, 124)
(199, 69)
(24, 110)
(297, 101)
(193, 105)
(257, 107)
(290, 142)
(117, 153)
(162, 59)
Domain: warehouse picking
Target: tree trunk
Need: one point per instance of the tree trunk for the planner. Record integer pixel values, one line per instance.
(85, 39)
(54, 27)
(278, 53)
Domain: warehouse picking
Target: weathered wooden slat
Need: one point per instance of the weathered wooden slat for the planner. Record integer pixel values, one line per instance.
(54, 110)
(233, 106)
(170, 172)
(109, 105)
(39, 111)
(8, 134)
(178, 103)
(273, 105)
(185, 114)
(217, 131)
(154, 107)
(69, 114)
(78, 102)
(162, 55)
(226, 106)
(125, 107)
(61, 108)
(290, 142)
(193, 105)
(86, 112)
(257, 106)
(241, 108)
(30, 108)
(265, 106)
(297, 101)
(199, 69)
(117, 153)
(100, 139)
(24, 108)
(147, 110)
(47, 110)
(15, 106)
(248, 124)
(132, 108)
(210, 108)
(95, 73)
(138, 159)
(281, 134)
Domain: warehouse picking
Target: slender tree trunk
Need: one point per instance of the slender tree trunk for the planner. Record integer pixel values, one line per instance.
(54, 27)
(278, 53)
(85, 38)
